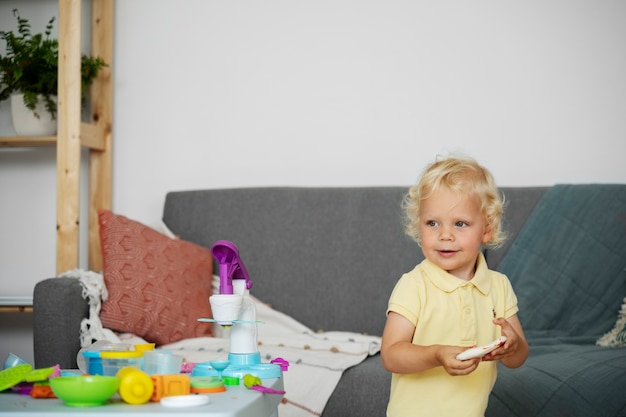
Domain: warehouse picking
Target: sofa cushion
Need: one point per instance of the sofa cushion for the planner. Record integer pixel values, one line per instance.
(559, 379)
(362, 391)
(567, 263)
(158, 287)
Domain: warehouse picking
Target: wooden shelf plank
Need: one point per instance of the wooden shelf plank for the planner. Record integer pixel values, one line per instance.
(16, 309)
(16, 304)
(91, 136)
(27, 142)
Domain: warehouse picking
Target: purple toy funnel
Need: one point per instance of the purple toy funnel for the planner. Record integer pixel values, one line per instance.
(231, 266)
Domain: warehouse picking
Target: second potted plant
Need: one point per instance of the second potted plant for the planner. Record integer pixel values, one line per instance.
(29, 74)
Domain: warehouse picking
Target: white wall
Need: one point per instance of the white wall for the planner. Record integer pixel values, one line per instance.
(352, 92)
(212, 94)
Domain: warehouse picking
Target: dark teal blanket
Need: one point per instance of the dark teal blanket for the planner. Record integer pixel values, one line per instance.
(568, 263)
(567, 268)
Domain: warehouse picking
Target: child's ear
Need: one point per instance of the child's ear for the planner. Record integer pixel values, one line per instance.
(487, 234)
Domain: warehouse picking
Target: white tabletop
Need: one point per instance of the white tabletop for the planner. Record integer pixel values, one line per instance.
(234, 402)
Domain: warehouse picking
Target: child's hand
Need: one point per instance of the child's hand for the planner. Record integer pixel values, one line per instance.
(447, 358)
(515, 350)
(509, 347)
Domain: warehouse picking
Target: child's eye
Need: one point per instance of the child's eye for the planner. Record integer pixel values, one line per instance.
(431, 223)
(460, 224)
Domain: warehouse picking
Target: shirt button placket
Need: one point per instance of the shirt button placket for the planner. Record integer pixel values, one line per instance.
(468, 317)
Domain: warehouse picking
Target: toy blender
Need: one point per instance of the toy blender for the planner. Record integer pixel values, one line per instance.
(234, 309)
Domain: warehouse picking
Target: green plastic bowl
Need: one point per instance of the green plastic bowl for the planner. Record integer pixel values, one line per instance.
(84, 391)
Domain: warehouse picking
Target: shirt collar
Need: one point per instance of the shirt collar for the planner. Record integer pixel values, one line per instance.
(448, 282)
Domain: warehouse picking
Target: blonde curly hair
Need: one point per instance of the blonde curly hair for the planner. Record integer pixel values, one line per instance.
(462, 175)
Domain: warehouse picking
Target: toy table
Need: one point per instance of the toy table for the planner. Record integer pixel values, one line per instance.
(234, 402)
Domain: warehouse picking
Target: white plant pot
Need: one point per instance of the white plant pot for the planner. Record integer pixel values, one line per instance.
(25, 121)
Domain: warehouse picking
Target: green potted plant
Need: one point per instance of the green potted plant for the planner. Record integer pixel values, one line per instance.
(30, 67)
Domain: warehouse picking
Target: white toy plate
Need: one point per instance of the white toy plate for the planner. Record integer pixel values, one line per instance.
(479, 352)
(179, 401)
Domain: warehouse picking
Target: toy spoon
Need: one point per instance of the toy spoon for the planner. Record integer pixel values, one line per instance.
(254, 383)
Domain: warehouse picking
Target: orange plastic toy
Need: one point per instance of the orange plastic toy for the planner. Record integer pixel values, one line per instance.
(42, 391)
(169, 385)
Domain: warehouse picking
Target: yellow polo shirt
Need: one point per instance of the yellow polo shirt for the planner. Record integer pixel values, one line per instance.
(449, 311)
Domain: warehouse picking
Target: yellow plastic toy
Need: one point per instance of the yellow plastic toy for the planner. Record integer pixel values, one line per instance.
(136, 386)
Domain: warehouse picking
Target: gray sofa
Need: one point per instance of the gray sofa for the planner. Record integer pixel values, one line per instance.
(329, 257)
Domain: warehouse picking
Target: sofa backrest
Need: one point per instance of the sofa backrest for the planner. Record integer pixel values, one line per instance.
(329, 257)
(519, 202)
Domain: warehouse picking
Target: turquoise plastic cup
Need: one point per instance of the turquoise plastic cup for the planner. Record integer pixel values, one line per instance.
(13, 360)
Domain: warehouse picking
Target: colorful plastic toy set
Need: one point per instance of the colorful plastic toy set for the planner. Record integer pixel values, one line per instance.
(23, 379)
(139, 374)
(130, 383)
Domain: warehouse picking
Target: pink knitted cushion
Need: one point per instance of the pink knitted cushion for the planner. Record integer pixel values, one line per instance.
(158, 287)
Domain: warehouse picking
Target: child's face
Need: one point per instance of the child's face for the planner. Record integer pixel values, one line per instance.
(452, 229)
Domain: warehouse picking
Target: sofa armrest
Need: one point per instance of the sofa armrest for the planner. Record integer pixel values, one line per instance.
(58, 309)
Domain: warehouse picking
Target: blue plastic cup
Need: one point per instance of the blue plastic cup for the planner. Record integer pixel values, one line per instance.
(13, 360)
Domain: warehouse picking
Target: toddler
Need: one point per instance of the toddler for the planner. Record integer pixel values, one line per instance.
(451, 301)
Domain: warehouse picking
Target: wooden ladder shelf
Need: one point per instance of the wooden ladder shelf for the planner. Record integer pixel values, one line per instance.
(73, 134)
